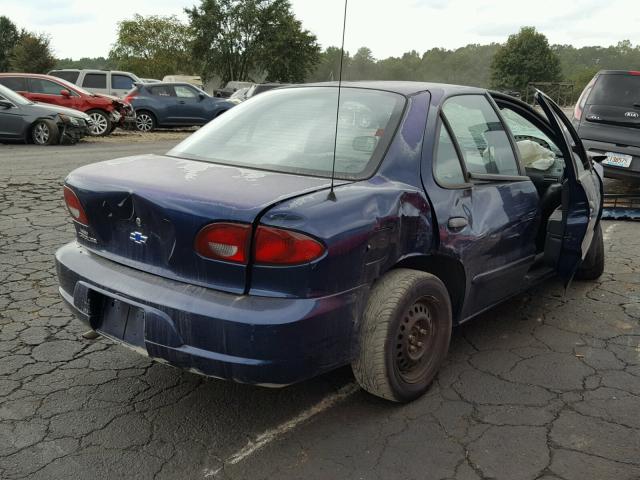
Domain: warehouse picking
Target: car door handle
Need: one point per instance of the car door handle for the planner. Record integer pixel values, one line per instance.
(181, 102)
(457, 223)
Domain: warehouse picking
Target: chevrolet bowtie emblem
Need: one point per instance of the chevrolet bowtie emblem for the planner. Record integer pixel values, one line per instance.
(138, 238)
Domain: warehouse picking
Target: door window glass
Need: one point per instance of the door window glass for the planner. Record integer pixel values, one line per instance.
(448, 168)
(69, 76)
(95, 80)
(121, 82)
(162, 91)
(46, 87)
(17, 84)
(184, 92)
(481, 136)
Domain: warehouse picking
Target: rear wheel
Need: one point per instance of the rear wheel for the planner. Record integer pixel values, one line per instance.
(405, 335)
(101, 123)
(45, 132)
(593, 265)
(145, 121)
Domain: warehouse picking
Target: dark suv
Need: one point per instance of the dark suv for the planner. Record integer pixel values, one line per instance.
(607, 117)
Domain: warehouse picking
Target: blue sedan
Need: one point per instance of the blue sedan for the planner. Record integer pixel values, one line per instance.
(173, 105)
(264, 249)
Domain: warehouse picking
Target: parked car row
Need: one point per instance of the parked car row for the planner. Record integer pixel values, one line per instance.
(147, 103)
(26, 121)
(106, 112)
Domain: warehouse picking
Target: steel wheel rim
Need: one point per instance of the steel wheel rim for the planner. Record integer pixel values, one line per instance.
(41, 134)
(415, 340)
(99, 124)
(144, 122)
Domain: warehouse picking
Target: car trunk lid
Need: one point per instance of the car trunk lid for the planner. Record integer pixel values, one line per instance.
(146, 211)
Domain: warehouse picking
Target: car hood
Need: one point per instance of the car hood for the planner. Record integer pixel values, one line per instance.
(48, 109)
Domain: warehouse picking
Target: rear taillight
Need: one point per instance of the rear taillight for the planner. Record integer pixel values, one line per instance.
(633, 72)
(577, 112)
(75, 207)
(131, 96)
(582, 101)
(224, 241)
(274, 246)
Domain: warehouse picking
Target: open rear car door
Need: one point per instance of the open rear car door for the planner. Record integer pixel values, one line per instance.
(571, 227)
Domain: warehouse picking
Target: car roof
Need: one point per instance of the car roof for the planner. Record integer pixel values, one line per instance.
(618, 72)
(403, 88)
(168, 84)
(37, 75)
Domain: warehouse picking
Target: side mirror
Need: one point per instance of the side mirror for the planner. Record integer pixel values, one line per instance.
(65, 93)
(5, 104)
(202, 96)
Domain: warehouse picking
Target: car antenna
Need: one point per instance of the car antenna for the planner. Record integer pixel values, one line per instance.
(332, 194)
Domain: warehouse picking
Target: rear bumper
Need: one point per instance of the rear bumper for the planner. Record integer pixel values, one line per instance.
(630, 173)
(249, 339)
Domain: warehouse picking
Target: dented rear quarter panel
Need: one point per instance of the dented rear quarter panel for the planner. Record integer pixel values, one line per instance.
(369, 227)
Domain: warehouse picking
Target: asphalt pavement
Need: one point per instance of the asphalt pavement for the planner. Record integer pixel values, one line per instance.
(546, 386)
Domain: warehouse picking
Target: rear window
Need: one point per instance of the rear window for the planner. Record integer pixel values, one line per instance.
(616, 90)
(17, 84)
(68, 76)
(95, 80)
(294, 131)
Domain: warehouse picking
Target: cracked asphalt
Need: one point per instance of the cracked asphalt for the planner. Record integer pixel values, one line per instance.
(546, 386)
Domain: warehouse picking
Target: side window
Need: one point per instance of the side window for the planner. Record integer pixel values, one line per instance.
(95, 80)
(70, 76)
(17, 84)
(448, 170)
(184, 92)
(121, 82)
(481, 136)
(162, 91)
(46, 87)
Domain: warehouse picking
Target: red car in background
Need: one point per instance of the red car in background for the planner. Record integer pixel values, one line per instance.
(106, 112)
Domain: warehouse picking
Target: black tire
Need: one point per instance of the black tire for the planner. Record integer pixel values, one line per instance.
(145, 121)
(404, 336)
(45, 132)
(101, 123)
(593, 265)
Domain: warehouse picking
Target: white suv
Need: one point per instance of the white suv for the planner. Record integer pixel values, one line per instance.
(108, 82)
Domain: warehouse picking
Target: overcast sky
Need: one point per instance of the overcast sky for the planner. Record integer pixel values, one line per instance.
(83, 28)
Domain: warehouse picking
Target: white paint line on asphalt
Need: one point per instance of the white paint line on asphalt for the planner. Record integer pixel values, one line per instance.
(274, 434)
(609, 231)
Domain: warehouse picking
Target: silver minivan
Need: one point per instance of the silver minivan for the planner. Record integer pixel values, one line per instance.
(107, 82)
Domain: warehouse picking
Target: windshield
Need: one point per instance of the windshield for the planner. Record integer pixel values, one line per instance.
(13, 97)
(293, 130)
(616, 90)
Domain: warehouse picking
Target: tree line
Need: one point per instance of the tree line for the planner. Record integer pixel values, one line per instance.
(262, 40)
